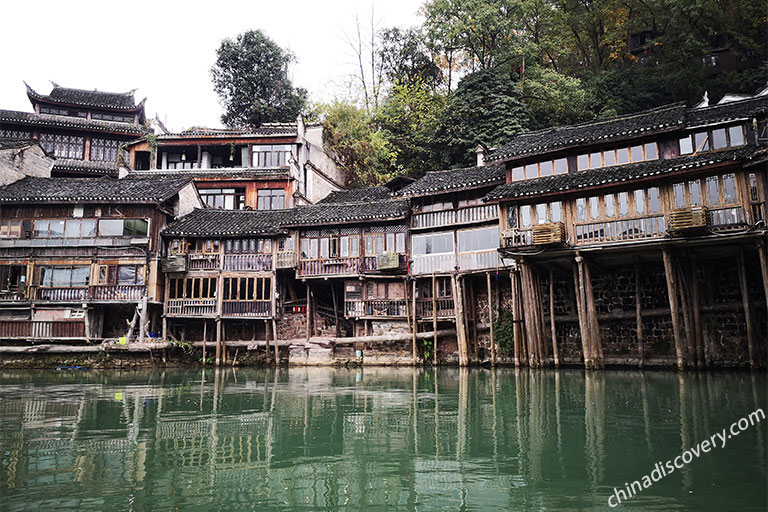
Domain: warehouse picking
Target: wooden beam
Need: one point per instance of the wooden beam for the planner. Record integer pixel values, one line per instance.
(701, 356)
(594, 328)
(515, 318)
(578, 283)
(673, 307)
(473, 312)
(309, 312)
(414, 352)
(555, 351)
(490, 318)
(747, 310)
(461, 332)
(274, 341)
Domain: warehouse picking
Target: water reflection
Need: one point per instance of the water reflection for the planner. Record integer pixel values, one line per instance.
(319, 438)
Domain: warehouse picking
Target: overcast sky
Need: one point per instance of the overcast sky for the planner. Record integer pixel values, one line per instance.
(165, 49)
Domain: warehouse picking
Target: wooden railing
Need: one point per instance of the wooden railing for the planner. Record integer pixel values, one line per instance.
(727, 217)
(118, 292)
(478, 260)
(203, 262)
(375, 307)
(652, 226)
(445, 308)
(191, 307)
(248, 262)
(42, 329)
(286, 259)
(12, 295)
(756, 212)
(514, 238)
(470, 214)
(246, 308)
(369, 264)
(62, 294)
(335, 266)
(430, 263)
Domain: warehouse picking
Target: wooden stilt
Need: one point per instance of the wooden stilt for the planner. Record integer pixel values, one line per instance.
(473, 310)
(701, 356)
(461, 332)
(274, 341)
(165, 328)
(532, 321)
(267, 339)
(578, 282)
(205, 338)
(490, 319)
(407, 308)
(335, 312)
(434, 319)
(639, 316)
(414, 354)
(542, 324)
(555, 351)
(309, 313)
(595, 338)
(515, 318)
(685, 305)
(673, 308)
(747, 310)
(763, 268)
(218, 342)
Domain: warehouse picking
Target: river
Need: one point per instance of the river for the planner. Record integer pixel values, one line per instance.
(375, 439)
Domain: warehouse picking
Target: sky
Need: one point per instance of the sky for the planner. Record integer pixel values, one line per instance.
(165, 49)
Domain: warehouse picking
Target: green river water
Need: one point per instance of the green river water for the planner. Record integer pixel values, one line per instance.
(376, 439)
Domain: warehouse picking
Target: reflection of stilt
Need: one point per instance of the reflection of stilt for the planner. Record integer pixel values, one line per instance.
(461, 440)
(495, 433)
(594, 421)
(646, 412)
(518, 413)
(437, 417)
(756, 406)
(559, 425)
(415, 412)
(685, 439)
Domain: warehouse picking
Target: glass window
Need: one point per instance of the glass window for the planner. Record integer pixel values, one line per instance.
(556, 211)
(729, 188)
(610, 158)
(478, 239)
(654, 200)
(678, 191)
(525, 216)
(594, 207)
(701, 141)
(583, 162)
(622, 155)
(400, 243)
(541, 213)
(595, 160)
(561, 166)
(314, 248)
(41, 228)
(713, 191)
(545, 168)
(324, 248)
(88, 228)
(718, 139)
(531, 171)
(736, 135)
(80, 276)
(610, 205)
(694, 192)
(511, 216)
(379, 244)
(111, 227)
(581, 209)
(518, 174)
(354, 246)
(639, 202)
(637, 153)
(344, 246)
(754, 195)
(686, 146)
(623, 199)
(433, 243)
(135, 227)
(271, 199)
(61, 276)
(651, 151)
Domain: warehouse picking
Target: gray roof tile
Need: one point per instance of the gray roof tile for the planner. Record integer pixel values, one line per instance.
(454, 180)
(229, 223)
(91, 190)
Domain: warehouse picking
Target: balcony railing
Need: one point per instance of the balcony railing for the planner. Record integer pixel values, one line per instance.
(478, 260)
(445, 308)
(727, 217)
(286, 259)
(203, 262)
(248, 262)
(62, 294)
(13, 295)
(191, 307)
(369, 264)
(470, 214)
(334, 266)
(247, 308)
(37, 329)
(118, 292)
(652, 226)
(430, 263)
(375, 307)
(515, 238)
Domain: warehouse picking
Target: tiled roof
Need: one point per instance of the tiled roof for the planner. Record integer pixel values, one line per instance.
(91, 190)
(229, 223)
(615, 128)
(85, 167)
(265, 130)
(357, 194)
(16, 143)
(620, 173)
(454, 179)
(743, 109)
(79, 123)
(88, 98)
(348, 213)
(278, 174)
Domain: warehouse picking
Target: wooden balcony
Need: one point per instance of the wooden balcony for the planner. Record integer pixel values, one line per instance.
(429, 263)
(728, 217)
(191, 307)
(478, 260)
(286, 259)
(203, 262)
(467, 215)
(248, 262)
(45, 330)
(13, 295)
(330, 267)
(370, 265)
(246, 309)
(387, 308)
(651, 226)
(62, 294)
(445, 308)
(118, 292)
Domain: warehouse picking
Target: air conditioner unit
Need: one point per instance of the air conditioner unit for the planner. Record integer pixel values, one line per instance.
(549, 233)
(387, 261)
(692, 217)
(175, 263)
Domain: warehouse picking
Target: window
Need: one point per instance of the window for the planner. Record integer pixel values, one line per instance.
(518, 174)
(271, 199)
(436, 243)
(639, 202)
(582, 162)
(623, 200)
(686, 146)
(736, 136)
(701, 141)
(484, 239)
(123, 227)
(622, 155)
(609, 201)
(108, 116)
(713, 191)
(718, 139)
(180, 161)
(63, 146)
(526, 217)
(178, 247)
(223, 198)
(192, 288)
(442, 286)
(247, 289)
(63, 112)
(10, 228)
(581, 209)
(80, 228)
(594, 207)
(45, 228)
(654, 200)
(540, 213)
(104, 150)
(595, 160)
(120, 274)
(271, 155)
(203, 246)
(610, 158)
(636, 153)
(64, 276)
(543, 168)
(437, 204)
(651, 151)
(246, 246)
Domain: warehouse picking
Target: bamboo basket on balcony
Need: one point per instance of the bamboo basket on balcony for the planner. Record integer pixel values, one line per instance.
(549, 233)
(691, 217)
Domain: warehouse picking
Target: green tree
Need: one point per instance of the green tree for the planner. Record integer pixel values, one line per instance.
(405, 57)
(251, 78)
(554, 98)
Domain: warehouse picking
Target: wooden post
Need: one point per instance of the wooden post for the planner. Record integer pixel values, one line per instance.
(335, 312)
(515, 318)
(461, 332)
(407, 308)
(747, 310)
(274, 341)
(87, 323)
(490, 318)
(143, 319)
(555, 351)
(701, 353)
(218, 341)
(673, 308)
(473, 312)
(267, 338)
(309, 312)
(165, 328)
(205, 336)
(578, 283)
(595, 338)
(414, 352)
(763, 267)
(639, 316)
(434, 319)
(685, 305)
